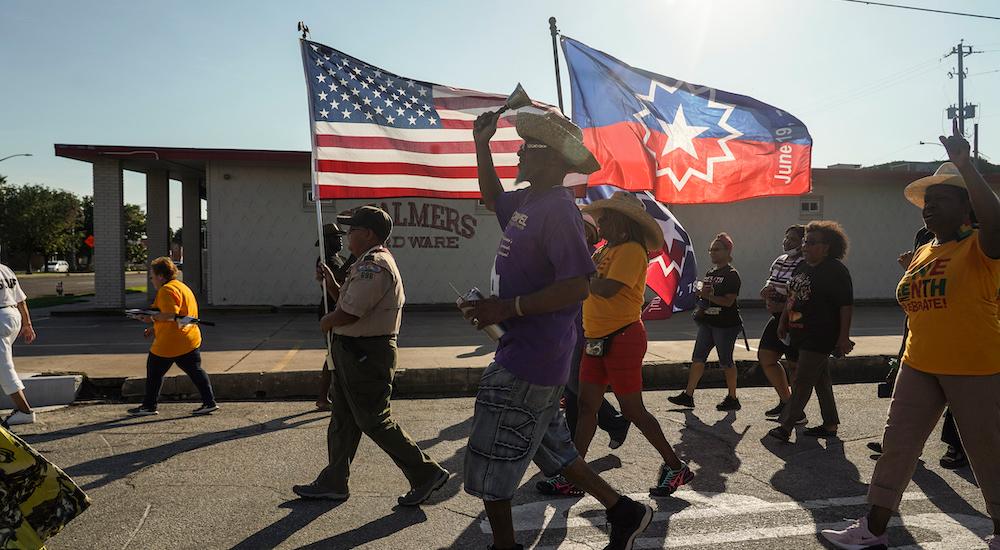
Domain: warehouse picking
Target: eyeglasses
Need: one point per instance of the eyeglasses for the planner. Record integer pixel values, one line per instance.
(526, 146)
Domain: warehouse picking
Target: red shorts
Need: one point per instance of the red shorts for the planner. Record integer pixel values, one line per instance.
(621, 367)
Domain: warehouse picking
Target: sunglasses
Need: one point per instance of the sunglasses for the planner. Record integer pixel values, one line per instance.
(526, 146)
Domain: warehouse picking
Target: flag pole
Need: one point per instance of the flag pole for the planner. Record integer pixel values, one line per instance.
(315, 189)
(555, 59)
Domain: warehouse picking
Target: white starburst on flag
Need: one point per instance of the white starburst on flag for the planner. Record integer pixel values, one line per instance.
(685, 133)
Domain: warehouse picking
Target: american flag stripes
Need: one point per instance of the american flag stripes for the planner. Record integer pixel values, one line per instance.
(377, 134)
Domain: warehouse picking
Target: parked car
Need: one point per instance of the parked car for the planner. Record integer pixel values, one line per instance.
(59, 266)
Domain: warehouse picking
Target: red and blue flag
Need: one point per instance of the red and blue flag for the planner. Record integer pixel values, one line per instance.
(687, 143)
(672, 271)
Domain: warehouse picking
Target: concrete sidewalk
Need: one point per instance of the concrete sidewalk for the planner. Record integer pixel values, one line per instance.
(256, 354)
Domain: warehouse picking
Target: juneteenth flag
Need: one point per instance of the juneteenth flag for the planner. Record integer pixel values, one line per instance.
(687, 143)
(672, 271)
(377, 134)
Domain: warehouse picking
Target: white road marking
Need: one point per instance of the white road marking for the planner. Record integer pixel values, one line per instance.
(956, 531)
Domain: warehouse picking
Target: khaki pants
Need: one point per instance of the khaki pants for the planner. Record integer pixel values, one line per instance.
(360, 391)
(918, 400)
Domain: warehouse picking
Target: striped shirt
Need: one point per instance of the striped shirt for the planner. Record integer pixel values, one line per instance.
(781, 273)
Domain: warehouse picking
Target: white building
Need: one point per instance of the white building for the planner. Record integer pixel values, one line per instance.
(262, 226)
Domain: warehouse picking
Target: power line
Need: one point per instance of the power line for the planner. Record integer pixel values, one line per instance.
(923, 9)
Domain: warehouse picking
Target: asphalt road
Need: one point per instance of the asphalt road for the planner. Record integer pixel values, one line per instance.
(223, 481)
(284, 330)
(44, 284)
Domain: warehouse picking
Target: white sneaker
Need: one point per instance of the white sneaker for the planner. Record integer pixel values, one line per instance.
(856, 537)
(18, 417)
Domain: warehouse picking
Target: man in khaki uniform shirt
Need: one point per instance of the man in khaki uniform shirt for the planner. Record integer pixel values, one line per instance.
(365, 324)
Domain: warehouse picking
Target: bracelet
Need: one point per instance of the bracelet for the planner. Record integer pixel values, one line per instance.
(517, 307)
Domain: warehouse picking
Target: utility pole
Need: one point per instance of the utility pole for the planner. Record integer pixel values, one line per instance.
(962, 111)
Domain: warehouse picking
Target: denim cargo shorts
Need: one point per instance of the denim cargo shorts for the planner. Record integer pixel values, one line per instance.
(515, 422)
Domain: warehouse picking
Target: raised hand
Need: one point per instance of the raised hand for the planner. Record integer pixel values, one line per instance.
(485, 127)
(956, 145)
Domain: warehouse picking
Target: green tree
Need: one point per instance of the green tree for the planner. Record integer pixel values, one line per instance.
(37, 220)
(135, 230)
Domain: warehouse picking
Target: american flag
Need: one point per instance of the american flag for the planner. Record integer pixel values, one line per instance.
(672, 271)
(377, 134)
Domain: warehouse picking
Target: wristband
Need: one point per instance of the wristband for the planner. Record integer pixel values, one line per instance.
(517, 307)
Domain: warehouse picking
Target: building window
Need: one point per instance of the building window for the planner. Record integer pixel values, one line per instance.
(308, 205)
(810, 208)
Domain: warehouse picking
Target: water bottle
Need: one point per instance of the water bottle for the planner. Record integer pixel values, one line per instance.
(493, 331)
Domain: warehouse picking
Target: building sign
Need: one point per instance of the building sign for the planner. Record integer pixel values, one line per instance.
(421, 224)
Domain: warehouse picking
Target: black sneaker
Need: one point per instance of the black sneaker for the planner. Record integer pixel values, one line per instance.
(682, 399)
(730, 403)
(314, 491)
(618, 438)
(954, 459)
(418, 495)
(141, 411)
(626, 519)
(776, 411)
(205, 409)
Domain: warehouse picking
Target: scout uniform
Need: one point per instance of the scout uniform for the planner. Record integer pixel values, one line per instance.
(364, 353)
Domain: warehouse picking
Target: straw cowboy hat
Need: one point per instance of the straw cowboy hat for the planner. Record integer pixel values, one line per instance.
(556, 131)
(629, 205)
(946, 174)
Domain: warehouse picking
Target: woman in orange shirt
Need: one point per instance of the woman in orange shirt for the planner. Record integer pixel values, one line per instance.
(616, 337)
(173, 343)
(951, 295)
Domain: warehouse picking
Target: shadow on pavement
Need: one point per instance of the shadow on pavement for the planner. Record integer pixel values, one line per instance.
(401, 518)
(301, 513)
(713, 448)
(812, 471)
(118, 466)
(83, 429)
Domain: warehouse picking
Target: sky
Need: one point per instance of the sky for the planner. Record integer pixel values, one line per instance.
(869, 82)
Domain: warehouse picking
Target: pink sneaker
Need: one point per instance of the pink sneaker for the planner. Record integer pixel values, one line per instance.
(856, 537)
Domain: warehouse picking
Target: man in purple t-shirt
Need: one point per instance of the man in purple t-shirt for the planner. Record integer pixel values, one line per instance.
(539, 280)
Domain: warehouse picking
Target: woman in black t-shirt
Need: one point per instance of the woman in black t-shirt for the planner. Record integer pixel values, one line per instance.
(817, 318)
(719, 324)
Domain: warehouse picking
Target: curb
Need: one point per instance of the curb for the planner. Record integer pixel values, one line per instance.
(449, 381)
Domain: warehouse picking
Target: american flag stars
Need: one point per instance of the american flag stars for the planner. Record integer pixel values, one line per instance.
(373, 95)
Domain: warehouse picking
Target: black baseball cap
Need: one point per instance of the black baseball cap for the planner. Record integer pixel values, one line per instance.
(330, 229)
(369, 217)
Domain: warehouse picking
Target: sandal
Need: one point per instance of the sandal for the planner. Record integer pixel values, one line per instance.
(820, 431)
(780, 434)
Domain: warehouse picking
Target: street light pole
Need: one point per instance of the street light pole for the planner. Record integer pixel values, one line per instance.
(17, 155)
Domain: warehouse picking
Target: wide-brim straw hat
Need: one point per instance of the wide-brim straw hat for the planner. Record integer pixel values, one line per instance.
(946, 174)
(558, 132)
(630, 206)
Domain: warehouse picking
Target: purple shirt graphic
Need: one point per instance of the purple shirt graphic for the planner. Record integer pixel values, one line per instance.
(543, 243)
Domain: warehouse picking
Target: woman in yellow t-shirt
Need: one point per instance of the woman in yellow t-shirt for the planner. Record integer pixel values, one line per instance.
(173, 343)
(616, 337)
(951, 295)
